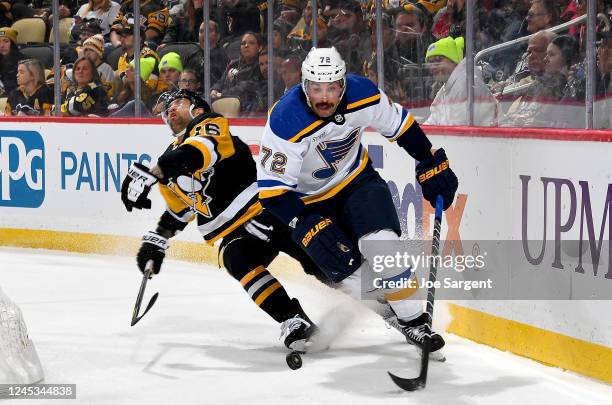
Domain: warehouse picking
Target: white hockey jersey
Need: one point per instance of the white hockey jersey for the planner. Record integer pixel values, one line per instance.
(317, 157)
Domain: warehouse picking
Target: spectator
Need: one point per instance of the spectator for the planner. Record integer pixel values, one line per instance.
(348, 33)
(391, 55)
(412, 34)
(545, 104)
(604, 64)
(93, 49)
(450, 20)
(241, 16)
(185, 26)
(449, 107)
(218, 58)
(242, 74)
(529, 69)
(603, 105)
(155, 15)
(280, 30)
(87, 96)
(299, 40)
(124, 105)
(541, 15)
(261, 103)
(124, 28)
(9, 57)
(291, 72)
(189, 80)
(33, 97)
(103, 10)
(170, 68)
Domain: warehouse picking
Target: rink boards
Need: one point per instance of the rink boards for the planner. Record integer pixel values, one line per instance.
(60, 181)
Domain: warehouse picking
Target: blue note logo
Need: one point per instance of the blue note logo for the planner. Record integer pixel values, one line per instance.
(22, 169)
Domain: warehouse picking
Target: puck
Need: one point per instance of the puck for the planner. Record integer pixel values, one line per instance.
(294, 360)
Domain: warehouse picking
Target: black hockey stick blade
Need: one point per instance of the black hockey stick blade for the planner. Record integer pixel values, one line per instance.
(408, 384)
(418, 383)
(145, 277)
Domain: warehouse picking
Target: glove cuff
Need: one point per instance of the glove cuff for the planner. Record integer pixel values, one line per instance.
(156, 239)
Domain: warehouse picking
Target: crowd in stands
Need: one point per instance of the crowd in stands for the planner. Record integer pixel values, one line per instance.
(539, 83)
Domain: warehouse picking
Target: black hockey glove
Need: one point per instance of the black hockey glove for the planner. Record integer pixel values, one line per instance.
(153, 248)
(136, 186)
(327, 245)
(436, 178)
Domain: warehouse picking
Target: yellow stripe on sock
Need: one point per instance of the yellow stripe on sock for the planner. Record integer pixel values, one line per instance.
(267, 292)
(251, 275)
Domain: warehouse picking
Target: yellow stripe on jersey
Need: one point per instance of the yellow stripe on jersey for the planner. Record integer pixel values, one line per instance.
(253, 210)
(305, 131)
(335, 190)
(363, 101)
(251, 275)
(174, 203)
(272, 108)
(267, 292)
(217, 129)
(407, 125)
(272, 193)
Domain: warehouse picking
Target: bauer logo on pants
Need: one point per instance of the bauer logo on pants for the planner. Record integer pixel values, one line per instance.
(22, 169)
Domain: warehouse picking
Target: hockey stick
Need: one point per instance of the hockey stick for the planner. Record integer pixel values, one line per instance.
(413, 384)
(148, 273)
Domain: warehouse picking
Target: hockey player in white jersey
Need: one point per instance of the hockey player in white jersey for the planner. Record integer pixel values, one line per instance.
(315, 176)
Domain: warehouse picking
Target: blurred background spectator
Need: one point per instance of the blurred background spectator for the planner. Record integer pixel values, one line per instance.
(218, 57)
(242, 74)
(124, 28)
(449, 107)
(189, 80)
(185, 25)
(9, 57)
(93, 49)
(123, 105)
(86, 96)
(170, 68)
(33, 97)
(104, 11)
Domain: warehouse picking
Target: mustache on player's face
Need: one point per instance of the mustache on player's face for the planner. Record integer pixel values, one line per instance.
(323, 105)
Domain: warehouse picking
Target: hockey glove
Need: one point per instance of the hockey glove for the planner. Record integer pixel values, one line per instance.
(327, 245)
(153, 248)
(436, 178)
(136, 186)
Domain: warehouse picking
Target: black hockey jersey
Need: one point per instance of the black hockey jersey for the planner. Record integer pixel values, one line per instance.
(222, 192)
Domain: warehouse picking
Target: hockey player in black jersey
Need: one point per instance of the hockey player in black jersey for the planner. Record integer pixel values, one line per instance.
(209, 175)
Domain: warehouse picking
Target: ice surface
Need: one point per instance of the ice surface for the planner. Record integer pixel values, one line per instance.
(205, 342)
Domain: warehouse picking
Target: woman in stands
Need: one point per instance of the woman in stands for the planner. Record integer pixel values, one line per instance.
(9, 58)
(242, 74)
(104, 10)
(33, 97)
(87, 96)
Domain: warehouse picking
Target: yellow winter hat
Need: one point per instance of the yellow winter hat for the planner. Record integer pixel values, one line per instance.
(9, 33)
(146, 67)
(451, 48)
(171, 60)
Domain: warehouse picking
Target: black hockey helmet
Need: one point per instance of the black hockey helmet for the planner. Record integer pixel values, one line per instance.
(196, 100)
